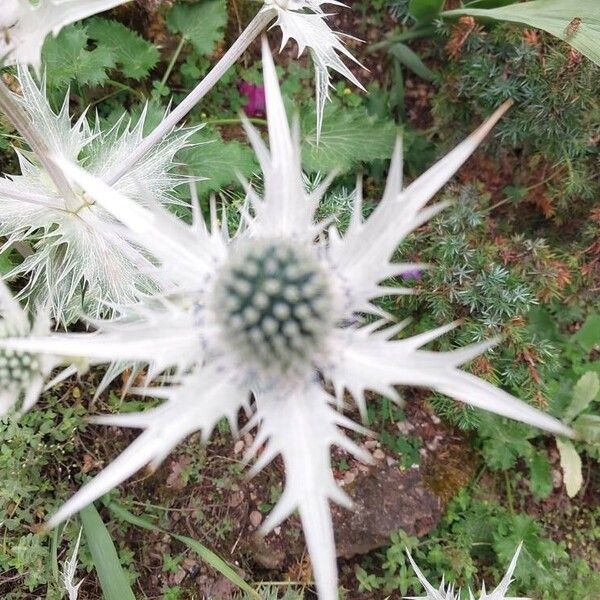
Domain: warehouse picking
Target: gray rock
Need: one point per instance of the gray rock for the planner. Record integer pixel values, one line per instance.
(387, 499)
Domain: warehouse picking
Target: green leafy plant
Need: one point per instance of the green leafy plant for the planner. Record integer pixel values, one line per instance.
(199, 24)
(104, 555)
(68, 59)
(577, 23)
(471, 543)
(133, 55)
(555, 118)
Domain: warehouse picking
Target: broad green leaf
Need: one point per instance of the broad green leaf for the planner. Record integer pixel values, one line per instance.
(201, 24)
(540, 473)
(412, 61)
(113, 580)
(571, 466)
(133, 54)
(425, 10)
(214, 560)
(348, 136)
(67, 59)
(588, 427)
(589, 334)
(584, 393)
(489, 3)
(576, 22)
(220, 162)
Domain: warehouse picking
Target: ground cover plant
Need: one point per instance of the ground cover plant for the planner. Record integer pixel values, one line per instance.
(229, 237)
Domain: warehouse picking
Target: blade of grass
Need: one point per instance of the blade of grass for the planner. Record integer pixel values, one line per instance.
(54, 554)
(113, 580)
(213, 559)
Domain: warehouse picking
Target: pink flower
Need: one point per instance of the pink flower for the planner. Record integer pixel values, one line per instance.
(411, 275)
(255, 107)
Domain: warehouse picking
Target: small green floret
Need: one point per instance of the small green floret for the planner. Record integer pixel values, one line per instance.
(17, 369)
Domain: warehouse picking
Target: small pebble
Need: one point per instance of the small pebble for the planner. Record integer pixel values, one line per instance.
(405, 427)
(349, 477)
(236, 499)
(239, 446)
(255, 518)
(379, 454)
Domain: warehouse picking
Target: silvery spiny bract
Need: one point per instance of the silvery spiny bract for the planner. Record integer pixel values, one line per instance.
(80, 263)
(69, 570)
(266, 319)
(24, 25)
(304, 22)
(448, 593)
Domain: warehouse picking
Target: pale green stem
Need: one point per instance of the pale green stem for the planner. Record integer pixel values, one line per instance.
(176, 54)
(21, 122)
(256, 26)
(125, 88)
(235, 121)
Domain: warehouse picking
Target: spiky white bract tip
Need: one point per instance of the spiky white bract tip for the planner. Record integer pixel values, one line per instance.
(68, 575)
(297, 296)
(81, 263)
(448, 593)
(305, 22)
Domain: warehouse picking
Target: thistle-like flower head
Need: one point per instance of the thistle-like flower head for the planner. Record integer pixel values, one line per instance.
(22, 373)
(80, 263)
(262, 318)
(24, 25)
(305, 22)
(447, 593)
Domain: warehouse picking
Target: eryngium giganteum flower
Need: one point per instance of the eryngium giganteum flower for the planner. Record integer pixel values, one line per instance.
(265, 317)
(448, 593)
(22, 373)
(305, 22)
(80, 263)
(24, 25)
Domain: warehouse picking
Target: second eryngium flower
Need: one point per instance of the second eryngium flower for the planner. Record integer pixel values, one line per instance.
(79, 263)
(448, 593)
